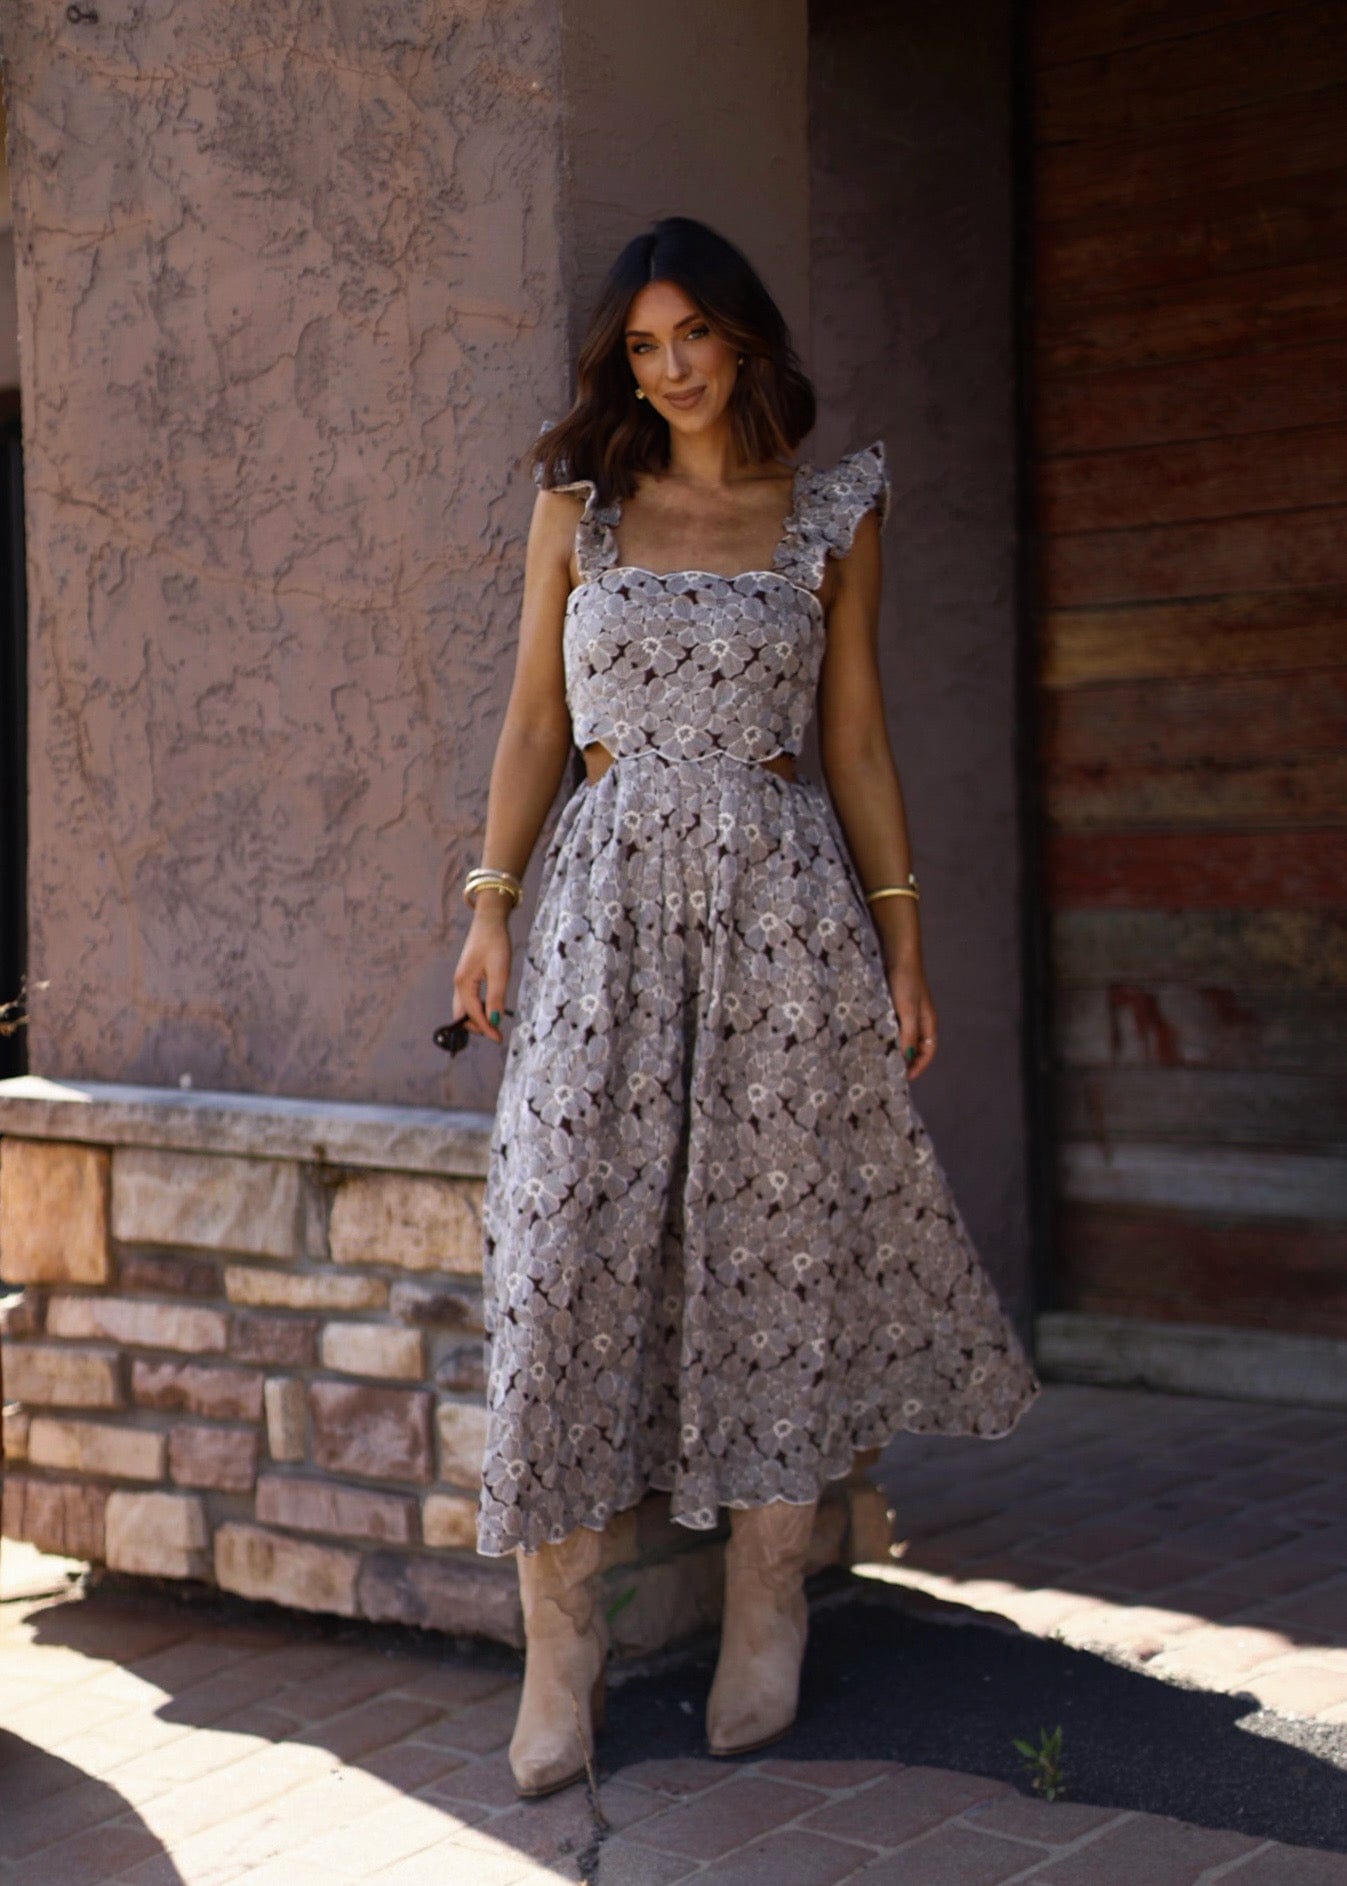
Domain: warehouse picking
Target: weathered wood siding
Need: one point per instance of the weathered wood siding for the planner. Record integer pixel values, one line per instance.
(1189, 336)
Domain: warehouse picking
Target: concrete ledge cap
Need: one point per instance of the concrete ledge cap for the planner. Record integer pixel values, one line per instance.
(450, 1142)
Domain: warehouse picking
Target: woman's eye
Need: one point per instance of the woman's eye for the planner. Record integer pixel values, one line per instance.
(693, 334)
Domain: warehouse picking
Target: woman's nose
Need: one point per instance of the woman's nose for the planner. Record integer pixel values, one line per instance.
(675, 367)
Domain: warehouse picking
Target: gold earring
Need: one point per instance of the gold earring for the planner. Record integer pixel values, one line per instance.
(640, 393)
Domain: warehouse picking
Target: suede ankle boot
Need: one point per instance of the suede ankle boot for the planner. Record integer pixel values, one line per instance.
(755, 1691)
(566, 1638)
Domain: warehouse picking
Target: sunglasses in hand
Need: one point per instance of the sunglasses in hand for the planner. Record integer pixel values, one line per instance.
(454, 1036)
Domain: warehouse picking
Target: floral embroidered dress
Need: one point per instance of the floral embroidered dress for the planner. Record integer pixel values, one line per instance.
(720, 1254)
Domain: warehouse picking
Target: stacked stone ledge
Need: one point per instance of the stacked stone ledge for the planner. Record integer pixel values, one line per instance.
(265, 1370)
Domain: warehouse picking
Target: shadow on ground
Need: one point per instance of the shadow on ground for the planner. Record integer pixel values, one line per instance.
(44, 1799)
(881, 1684)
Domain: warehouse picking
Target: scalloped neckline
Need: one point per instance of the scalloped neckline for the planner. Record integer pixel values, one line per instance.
(663, 576)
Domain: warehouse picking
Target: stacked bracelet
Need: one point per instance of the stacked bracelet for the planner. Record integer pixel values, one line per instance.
(482, 877)
(896, 890)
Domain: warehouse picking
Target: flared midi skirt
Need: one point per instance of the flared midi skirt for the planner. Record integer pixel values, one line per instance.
(720, 1254)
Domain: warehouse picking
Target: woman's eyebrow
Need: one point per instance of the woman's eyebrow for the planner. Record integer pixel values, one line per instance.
(644, 334)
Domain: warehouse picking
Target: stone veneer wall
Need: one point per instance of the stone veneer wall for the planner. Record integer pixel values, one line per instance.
(245, 1346)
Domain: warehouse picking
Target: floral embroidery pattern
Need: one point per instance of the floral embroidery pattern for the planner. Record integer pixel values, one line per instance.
(720, 1252)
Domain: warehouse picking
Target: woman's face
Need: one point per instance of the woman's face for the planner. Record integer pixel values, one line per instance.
(680, 363)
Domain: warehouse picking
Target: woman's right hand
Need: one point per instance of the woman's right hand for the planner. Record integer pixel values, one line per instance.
(484, 965)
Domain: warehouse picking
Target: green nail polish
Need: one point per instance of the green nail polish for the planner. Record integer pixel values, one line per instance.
(494, 1017)
(909, 1055)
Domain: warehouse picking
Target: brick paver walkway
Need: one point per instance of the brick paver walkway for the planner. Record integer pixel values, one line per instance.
(143, 1746)
(1205, 1540)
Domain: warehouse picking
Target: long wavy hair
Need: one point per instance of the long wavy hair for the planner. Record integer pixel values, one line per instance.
(611, 436)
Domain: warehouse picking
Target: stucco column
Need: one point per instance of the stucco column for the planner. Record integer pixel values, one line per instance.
(295, 291)
(291, 301)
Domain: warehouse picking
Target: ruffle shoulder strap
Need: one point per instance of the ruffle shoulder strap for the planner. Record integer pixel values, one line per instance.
(595, 543)
(831, 505)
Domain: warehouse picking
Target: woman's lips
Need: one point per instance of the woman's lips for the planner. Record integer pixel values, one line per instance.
(685, 399)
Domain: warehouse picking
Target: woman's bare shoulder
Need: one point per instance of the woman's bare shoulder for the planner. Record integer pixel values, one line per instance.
(552, 531)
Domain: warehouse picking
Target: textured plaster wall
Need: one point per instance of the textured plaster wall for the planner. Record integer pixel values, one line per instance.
(913, 340)
(290, 301)
(9, 313)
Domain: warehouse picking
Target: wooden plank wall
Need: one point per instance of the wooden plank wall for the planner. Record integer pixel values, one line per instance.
(1189, 340)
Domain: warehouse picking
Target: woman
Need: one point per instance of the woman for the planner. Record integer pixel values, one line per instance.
(720, 1255)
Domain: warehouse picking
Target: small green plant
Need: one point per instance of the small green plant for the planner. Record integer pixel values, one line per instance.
(620, 1603)
(1044, 1762)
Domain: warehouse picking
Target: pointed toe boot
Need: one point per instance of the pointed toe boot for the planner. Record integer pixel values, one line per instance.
(755, 1692)
(566, 1652)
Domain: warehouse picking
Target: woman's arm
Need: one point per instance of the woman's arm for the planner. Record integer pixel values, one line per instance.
(531, 752)
(863, 781)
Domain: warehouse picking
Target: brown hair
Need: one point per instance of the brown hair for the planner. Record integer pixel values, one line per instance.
(610, 436)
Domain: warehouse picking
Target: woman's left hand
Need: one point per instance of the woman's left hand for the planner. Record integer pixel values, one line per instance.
(916, 1017)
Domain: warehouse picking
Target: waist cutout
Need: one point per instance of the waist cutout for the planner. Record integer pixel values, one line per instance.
(598, 760)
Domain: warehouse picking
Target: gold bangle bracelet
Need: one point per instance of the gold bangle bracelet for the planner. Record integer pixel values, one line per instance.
(910, 889)
(482, 877)
(491, 871)
(481, 872)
